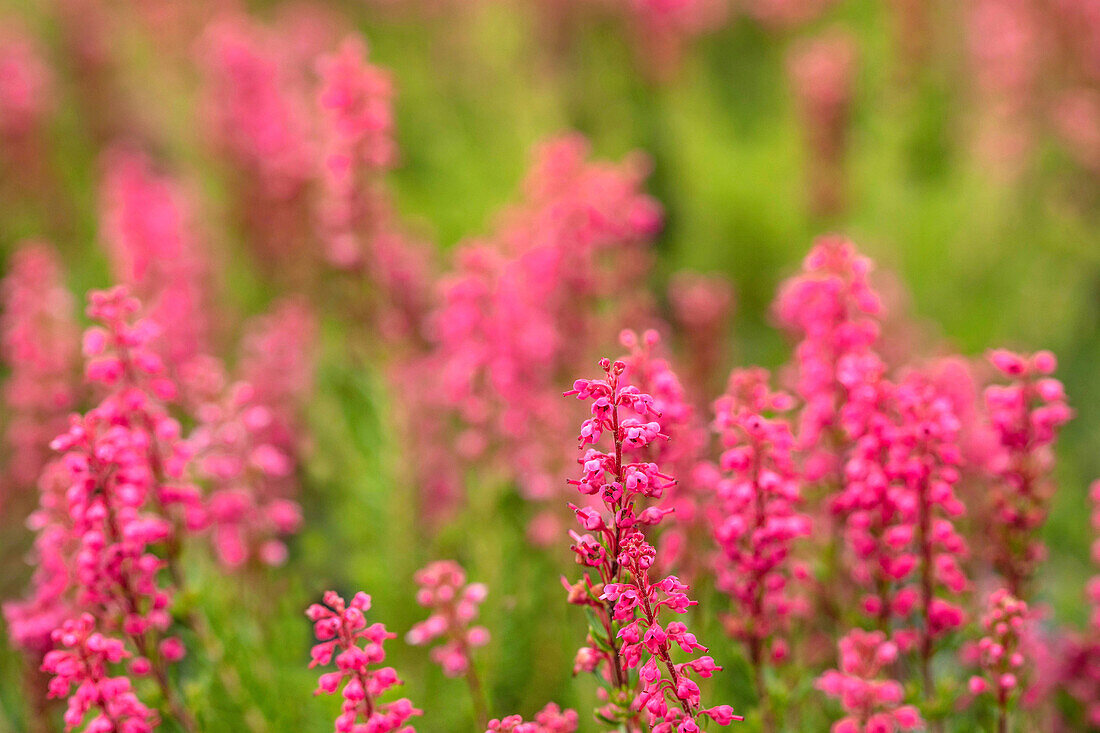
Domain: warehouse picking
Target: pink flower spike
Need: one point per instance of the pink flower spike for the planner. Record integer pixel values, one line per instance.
(341, 629)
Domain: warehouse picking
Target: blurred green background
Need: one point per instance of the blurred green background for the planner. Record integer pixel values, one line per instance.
(987, 261)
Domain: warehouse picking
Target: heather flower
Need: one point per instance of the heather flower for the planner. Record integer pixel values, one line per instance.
(626, 604)
(276, 358)
(39, 345)
(247, 477)
(343, 633)
(83, 661)
(1001, 653)
(551, 719)
(26, 85)
(1005, 45)
(453, 604)
(154, 251)
(355, 101)
(523, 307)
(31, 621)
(871, 701)
(686, 445)
(834, 311)
(822, 72)
(756, 517)
(122, 478)
(924, 456)
(248, 435)
(256, 105)
(1026, 414)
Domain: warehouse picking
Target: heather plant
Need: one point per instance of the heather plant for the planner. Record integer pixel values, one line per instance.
(1000, 654)
(551, 719)
(333, 301)
(626, 631)
(453, 603)
(126, 494)
(39, 343)
(520, 309)
(870, 699)
(1026, 415)
(342, 632)
(757, 519)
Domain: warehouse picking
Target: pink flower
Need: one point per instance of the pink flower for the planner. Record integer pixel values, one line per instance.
(344, 635)
(1026, 415)
(248, 436)
(823, 72)
(26, 85)
(651, 372)
(155, 252)
(117, 496)
(39, 345)
(523, 307)
(453, 605)
(755, 517)
(1000, 651)
(833, 310)
(83, 661)
(355, 104)
(551, 719)
(871, 701)
(631, 634)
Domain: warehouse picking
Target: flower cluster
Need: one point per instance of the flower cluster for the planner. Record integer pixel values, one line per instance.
(248, 435)
(925, 457)
(1000, 652)
(524, 307)
(82, 660)
(756, 515)
(343, 633)
(650, 371)
(26, 86)
(453, 604)
(39, 346)
(114, 506)
(822, 72)
(872, 702)
(257, 110)
(630, 634)
(355, 104)
(154, 251)
(256, 105)
(834, 311)
(1026, 415)
(551, 719)
(248, 516)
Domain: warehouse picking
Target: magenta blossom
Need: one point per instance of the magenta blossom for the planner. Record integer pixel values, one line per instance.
(344, 635)
(83, 660)
(551, 719)
(628, 605)
(872, 702)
